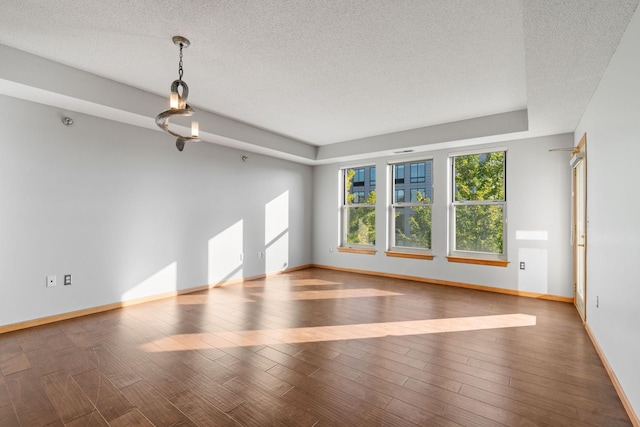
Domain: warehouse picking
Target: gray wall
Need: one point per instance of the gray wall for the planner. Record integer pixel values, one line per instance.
(538, 199)
(612, 125)
(129, 216)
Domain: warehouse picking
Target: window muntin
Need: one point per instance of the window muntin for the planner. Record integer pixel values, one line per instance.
(479, 205)
(358, 207)
(411, 220)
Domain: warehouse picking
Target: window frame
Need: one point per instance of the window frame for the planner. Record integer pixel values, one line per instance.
(344, 208)
(458, 255)
(393, 204)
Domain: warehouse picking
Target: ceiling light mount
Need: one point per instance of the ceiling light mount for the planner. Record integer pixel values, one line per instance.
(178, 103)
(179, 40)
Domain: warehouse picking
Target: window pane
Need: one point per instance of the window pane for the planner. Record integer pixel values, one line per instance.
(361, 225)
(356, 189)
(421, 177)
(398, 196)
(479, 228)
(479, 177)
(413, 227)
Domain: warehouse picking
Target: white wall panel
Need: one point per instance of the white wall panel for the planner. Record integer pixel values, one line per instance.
(129, 216)
(612, 125)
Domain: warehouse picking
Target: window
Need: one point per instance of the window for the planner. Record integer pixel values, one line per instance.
(417, 172)
(478, 205)
(411, 219)
(372, 176)
(358, 207)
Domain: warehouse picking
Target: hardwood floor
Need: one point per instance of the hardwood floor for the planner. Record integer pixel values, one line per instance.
(312, 348)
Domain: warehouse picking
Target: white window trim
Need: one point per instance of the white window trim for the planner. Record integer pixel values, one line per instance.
(344, 218)
(393, 206)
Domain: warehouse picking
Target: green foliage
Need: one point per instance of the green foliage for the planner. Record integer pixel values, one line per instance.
(419, 232)
(479, 228)
(479, 177)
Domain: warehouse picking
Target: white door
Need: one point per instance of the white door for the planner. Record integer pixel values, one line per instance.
(580, 236)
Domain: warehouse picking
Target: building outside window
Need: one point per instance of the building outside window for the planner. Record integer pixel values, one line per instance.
(478, 205)
(411, 222)
(359, 197)
(398, 173)
(418, 172)
(417, 194)
(358, 206)
(358, 177)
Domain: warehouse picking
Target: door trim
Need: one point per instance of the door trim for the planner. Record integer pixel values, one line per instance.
(581, 148)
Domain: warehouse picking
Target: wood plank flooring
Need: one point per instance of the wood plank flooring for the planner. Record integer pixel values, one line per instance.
(312, 348)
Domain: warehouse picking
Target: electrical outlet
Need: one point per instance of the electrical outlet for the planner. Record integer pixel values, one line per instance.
(67, 279)
(330, 248)
(241, 257)
(597, 302)
(521, 265)
(51, 281)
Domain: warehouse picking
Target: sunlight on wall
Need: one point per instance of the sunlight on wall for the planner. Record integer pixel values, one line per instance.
(225, 254)
(276, 233)
(164, 280)
(180, 342)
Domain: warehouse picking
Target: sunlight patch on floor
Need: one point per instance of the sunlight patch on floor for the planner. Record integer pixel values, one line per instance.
(228, 339)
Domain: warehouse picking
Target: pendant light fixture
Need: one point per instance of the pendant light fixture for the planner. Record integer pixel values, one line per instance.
(178, 103)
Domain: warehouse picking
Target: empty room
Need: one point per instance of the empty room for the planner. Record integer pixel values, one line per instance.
(319, 212)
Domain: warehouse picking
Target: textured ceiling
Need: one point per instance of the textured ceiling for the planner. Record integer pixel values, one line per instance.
(324, 72)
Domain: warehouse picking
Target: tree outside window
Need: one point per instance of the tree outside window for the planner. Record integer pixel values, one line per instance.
(479, 203)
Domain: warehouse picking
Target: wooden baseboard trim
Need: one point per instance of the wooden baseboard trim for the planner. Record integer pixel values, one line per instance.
(616, 384)
(450, 283)
(114, 306)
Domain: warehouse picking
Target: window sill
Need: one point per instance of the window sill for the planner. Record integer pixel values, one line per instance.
(492, 262)
(357, 250)
(409, 255)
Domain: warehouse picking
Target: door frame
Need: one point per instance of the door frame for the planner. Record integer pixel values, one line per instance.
(581, 149)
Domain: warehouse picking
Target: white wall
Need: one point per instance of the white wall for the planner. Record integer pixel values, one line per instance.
(538, 199)
(129, 216)
(612, 125)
